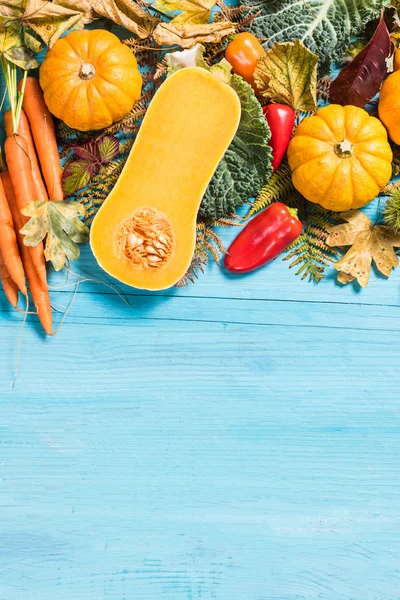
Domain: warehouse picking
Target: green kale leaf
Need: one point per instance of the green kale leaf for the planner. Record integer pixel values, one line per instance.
(246, 165)
(324, 26)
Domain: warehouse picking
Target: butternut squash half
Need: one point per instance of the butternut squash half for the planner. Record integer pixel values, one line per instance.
(144, 234)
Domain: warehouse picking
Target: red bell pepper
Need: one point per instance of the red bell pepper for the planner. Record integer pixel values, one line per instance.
(266, 236)
(280, 118)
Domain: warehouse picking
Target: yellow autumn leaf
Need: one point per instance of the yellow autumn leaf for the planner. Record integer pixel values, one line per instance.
(194, 12)
(50, 20)
(187, 36)
(287, 74)
(126, 13)
(368, 243)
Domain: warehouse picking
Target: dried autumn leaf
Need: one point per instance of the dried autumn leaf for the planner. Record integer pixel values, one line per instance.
(83, 6)
(13, 46)
(50, 20)
(125, 13)
(59, 222)
(187, 36)
(368, 243)
(287, 74)
(360, 80)
(194, 12)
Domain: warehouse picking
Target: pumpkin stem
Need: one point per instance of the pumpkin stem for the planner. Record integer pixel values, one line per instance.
(344, 149)
(87, 71)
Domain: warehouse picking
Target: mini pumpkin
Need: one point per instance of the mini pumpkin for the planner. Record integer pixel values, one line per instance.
(389, 102)
(90, 79)
(340, 157)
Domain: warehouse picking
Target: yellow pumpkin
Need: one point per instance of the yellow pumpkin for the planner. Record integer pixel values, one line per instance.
(340, 157)
(145, 232)
(90, 79)
(389, 104)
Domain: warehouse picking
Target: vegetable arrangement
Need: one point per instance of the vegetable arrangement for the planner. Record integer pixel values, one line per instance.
(160, 138)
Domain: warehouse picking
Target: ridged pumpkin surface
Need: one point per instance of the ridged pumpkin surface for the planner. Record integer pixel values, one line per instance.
(340, 157)
(389, 103)
(145, 232)
(90, 79)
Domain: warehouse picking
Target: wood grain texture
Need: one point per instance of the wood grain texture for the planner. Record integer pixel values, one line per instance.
(234, 440)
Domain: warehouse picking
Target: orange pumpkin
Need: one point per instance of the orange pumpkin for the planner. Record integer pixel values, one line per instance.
(340, 157)
(90, 79)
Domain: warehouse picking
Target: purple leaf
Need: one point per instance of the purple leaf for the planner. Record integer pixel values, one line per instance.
(77, 174)
(108, 148)
(358, 83)
(88, 151)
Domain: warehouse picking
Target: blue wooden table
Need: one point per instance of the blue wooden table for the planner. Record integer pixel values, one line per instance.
(234, 440)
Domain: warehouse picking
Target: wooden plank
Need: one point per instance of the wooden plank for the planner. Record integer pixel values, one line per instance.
(184, 460)
(99, 309)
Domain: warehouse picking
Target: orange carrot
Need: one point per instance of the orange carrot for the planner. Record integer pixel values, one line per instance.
(8, 244)
(10, 288)
(42, 125)
(24, 130)
(38, 289)
(19, 168)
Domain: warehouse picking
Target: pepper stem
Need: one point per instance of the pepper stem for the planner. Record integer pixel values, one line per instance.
(293, 212)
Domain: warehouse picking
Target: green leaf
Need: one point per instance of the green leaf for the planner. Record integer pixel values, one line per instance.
(287, 74)
(246, 165)
(325, 26)
(60, 224)
(108, 147)
(222, 71)
(77, 174)
(12, 45)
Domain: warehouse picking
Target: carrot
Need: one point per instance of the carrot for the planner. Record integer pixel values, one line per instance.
(10, 288)
(24, 130)
(19, 168)
(42, 125)
(8, 244)
(38, 289)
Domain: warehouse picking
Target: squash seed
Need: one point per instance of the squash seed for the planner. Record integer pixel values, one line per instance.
(145, 239)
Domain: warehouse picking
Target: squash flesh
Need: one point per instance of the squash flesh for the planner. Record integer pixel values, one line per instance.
(187, 129)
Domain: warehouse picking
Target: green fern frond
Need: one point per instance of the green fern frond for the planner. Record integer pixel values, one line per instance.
(277, 188)
(309, 251)
(208, 243)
